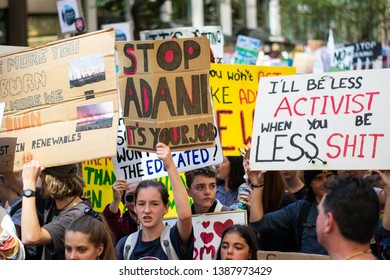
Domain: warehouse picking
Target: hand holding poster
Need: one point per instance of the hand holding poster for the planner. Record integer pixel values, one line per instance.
(322, 121)
(60, 98)
(164, 88)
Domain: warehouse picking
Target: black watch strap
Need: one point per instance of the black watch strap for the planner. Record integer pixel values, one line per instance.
(28, 193)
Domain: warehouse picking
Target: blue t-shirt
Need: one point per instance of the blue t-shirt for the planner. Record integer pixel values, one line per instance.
(152, 250)
(229, 198)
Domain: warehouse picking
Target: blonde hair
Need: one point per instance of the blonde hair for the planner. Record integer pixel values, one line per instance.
(59, 188)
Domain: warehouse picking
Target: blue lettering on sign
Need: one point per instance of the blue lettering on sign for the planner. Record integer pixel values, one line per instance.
(182, 159)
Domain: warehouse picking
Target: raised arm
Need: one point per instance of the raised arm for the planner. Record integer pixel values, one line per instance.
(184, 216)
(256, 198)
(118, 189)
(32, 233)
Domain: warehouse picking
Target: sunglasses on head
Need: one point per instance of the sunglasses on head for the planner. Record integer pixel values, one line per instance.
(129, 198)
(90, 212)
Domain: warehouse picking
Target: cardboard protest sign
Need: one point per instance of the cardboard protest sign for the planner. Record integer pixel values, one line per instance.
(213, 33)
(61, 100)
(164, 93)
(208, 230)
(10, 49)
(2, 107)
(358, 56)
(333, 121)
(304, 62)
(234, 90)
(7, 154)
(276, 255)
(133, 166)
(246, 51)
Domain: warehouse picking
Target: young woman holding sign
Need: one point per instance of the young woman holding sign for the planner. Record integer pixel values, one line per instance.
(151, 204)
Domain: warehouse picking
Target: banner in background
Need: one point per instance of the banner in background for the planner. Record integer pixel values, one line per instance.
(322, 121)
(123, 30)
(213, 33)
(358, 56)
(70, 16)
(247, 50)
(61, 100)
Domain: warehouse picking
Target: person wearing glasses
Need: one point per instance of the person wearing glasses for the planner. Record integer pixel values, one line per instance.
(121, 224)
(88, 237)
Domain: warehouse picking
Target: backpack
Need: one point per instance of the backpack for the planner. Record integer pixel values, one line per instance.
(15, 208)
(32, 252)
(165, 242)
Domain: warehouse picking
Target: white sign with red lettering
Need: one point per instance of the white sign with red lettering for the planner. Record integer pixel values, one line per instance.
(322, 121)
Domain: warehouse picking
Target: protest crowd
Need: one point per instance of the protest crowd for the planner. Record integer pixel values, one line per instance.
(192, 179)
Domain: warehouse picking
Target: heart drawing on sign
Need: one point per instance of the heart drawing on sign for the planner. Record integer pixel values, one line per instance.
(205, 224)
(219, 227)
(206, 237)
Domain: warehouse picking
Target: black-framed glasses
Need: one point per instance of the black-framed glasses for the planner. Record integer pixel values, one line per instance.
(129, 198)
(90, 212)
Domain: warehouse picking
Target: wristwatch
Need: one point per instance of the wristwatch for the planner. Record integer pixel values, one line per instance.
(28, 193)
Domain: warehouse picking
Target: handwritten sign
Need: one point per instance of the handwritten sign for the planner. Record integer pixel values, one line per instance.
(164, 90)
(7, 154)
(213, 33)
(333, 121)
(234, 91)
(2, 106)
(61, 100)
(133, 166)
(99, 176)
(358, 56)
(208, 230)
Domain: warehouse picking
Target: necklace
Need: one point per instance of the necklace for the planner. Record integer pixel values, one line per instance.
(59, 210)
(358, 254)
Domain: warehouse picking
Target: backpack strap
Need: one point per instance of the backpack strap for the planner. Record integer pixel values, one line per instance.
(3, 213)
(219, 206)
(303, 213)
(15, 208)
(130, 243)
(165, 242)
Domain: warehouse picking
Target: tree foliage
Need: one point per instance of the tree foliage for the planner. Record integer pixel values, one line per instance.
(352, 20)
